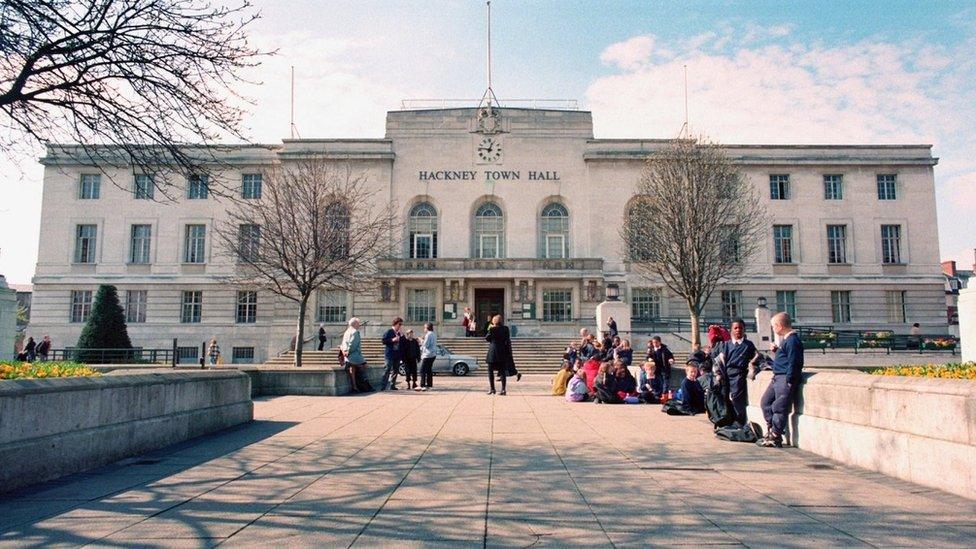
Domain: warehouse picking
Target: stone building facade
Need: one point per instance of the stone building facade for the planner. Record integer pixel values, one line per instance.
(517, 214)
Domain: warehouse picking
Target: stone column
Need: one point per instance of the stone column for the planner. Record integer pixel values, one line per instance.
(967, 323)
(620, 312)
(764, 332)
(8, 319)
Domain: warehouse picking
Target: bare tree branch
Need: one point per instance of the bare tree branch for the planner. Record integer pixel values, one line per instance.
(693, 223)
(318, 225)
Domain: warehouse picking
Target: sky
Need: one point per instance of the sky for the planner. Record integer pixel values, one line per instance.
(758, 72)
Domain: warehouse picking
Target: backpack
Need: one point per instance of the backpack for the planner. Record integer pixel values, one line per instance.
(716, 331)
(675, 407)
(749, 433)
(718, 407)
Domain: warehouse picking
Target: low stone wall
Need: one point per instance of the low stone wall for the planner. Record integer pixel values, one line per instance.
(53, 427)
(922, 430)
(288, 380)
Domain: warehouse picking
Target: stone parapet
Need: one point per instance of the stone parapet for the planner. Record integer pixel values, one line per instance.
(922, 430)
(55, 427)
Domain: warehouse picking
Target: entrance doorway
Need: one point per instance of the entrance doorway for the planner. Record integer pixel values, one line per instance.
(488, 302)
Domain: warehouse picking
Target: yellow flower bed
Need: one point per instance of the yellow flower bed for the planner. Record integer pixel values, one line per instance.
(965, 370)
(27, 370)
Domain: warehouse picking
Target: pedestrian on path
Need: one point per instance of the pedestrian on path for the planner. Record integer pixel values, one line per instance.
(352, 354)
(411, 356)
(736, 359)
(322, 336)
(428, 352)
(393, 354)
(213, 352)
(499, 356)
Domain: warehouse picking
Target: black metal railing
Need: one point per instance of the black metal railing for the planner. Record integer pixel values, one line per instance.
(824, 338)
(682, 324)
(112, 356)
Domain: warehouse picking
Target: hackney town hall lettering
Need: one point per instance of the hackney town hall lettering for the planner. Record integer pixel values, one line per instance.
(489, 175)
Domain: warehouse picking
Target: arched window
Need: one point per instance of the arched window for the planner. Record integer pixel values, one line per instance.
(489, 232)
(336, 237)
(554, 232)
(422, 229)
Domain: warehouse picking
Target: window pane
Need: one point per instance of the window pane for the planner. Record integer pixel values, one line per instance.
(886, 186)
(554, 231)
(555, 246)
(144, 187)
(489, 228)
(645, 304)
(557, 305)
(251, 185)
(197, 187)
(194, 244)
(731, 304)
(85, 243)
(135, 306)
(783, 243)
(81, 301)
(833, 187)
(786, 302)
(192, 307)
(90, 186)
(242, 355)
(840, 304)
(249, 242)
(891, 243)
(332, 306)
(140, 243)
(423, 221)
(895, 301)
(421, 306)
(247, 307)
(836, 243)
(779, 186)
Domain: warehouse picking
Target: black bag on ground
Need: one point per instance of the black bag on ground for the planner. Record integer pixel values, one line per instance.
(738, 434)
(676, 408)
(719, 408)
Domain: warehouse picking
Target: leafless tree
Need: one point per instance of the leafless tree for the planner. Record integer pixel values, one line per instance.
(318, 225)
(131, 81)
(693, 223)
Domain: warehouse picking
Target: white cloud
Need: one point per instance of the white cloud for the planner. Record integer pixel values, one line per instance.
(633, 53)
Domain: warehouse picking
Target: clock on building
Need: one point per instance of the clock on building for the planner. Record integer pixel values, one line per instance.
(489, 150)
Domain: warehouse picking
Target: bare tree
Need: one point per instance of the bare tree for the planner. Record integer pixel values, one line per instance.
(131, 81)
(318, 225)
(693, 223)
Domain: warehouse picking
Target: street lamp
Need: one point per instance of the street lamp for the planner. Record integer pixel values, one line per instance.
(613, 292)
(761, 301)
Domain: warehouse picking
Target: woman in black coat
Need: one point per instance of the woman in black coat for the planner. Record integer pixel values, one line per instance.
(499, 357)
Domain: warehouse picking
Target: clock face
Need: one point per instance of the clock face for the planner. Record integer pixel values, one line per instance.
(489, 150)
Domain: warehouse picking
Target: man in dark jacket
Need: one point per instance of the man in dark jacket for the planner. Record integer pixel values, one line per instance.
(499, 357)
(663, 360)
(736, 358)
(322, 337)
(411, 356)
(787, 373)
(393, 354)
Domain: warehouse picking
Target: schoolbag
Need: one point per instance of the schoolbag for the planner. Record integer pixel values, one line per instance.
(749, 433)
(718, 407)
(675, 407)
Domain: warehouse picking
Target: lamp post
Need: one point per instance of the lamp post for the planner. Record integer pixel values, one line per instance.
(763, 315)
(613, 292)
(613, 307)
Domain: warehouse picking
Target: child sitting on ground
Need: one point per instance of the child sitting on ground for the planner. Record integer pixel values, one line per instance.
(692, 394)
(592, 368)
(626, 384)
(605, 386)
(645, 384)
(562, 379)
(578, 391)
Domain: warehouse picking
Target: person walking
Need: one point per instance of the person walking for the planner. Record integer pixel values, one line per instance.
(428, 352)
(736, 359)
(322, 337)
(30, 349)
(393, 354)
(411, 355)
(787, 373)
(213, 352)
(469, 323)
(499, 356)
(43, 348)
(352, 354)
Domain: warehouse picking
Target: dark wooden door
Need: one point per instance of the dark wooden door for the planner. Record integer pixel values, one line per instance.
(488, 302)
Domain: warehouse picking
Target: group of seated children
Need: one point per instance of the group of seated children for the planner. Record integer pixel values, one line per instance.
(611, 382)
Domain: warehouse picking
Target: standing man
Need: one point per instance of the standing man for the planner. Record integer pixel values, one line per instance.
(499, 356)
(393, 354)
(428, 352)
(663, 360)
(411, 356)
(736, 359)
(469, 323)
(787, 371)
(43, 348)
(214, 352)
(322, 337)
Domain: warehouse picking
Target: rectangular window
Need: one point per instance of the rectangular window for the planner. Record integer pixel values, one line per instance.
(85, 243)
(195, 244)
(421, 306)
(731, 305)
(247, 307)
(645, 304)
(779, 187)
(557, 305)
(242, 355)
(895, 301)
(197, 187)
(836, 243)
(188, 355)
(191, 310)
(786, 302)
(332, 306)
(135, 306)
(886, 186)
(251, 185)
(423, 246)
(249, 241)
(144, 188)
(139, 244)
(90, 186)
(81, 302)
(840, 306)
(783, 243)
(833, 187)
(555, 246)
(891, 243)
(488, 246)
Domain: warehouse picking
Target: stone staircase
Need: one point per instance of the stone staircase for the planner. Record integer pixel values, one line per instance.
(533, 355)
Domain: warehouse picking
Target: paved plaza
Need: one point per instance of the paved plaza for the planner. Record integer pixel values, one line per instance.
(458, 468)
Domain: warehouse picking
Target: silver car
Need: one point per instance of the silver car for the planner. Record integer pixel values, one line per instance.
(446, 361)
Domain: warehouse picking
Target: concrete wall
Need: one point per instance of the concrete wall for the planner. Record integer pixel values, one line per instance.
(54, 427)
(274, 380)
(917, 429)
